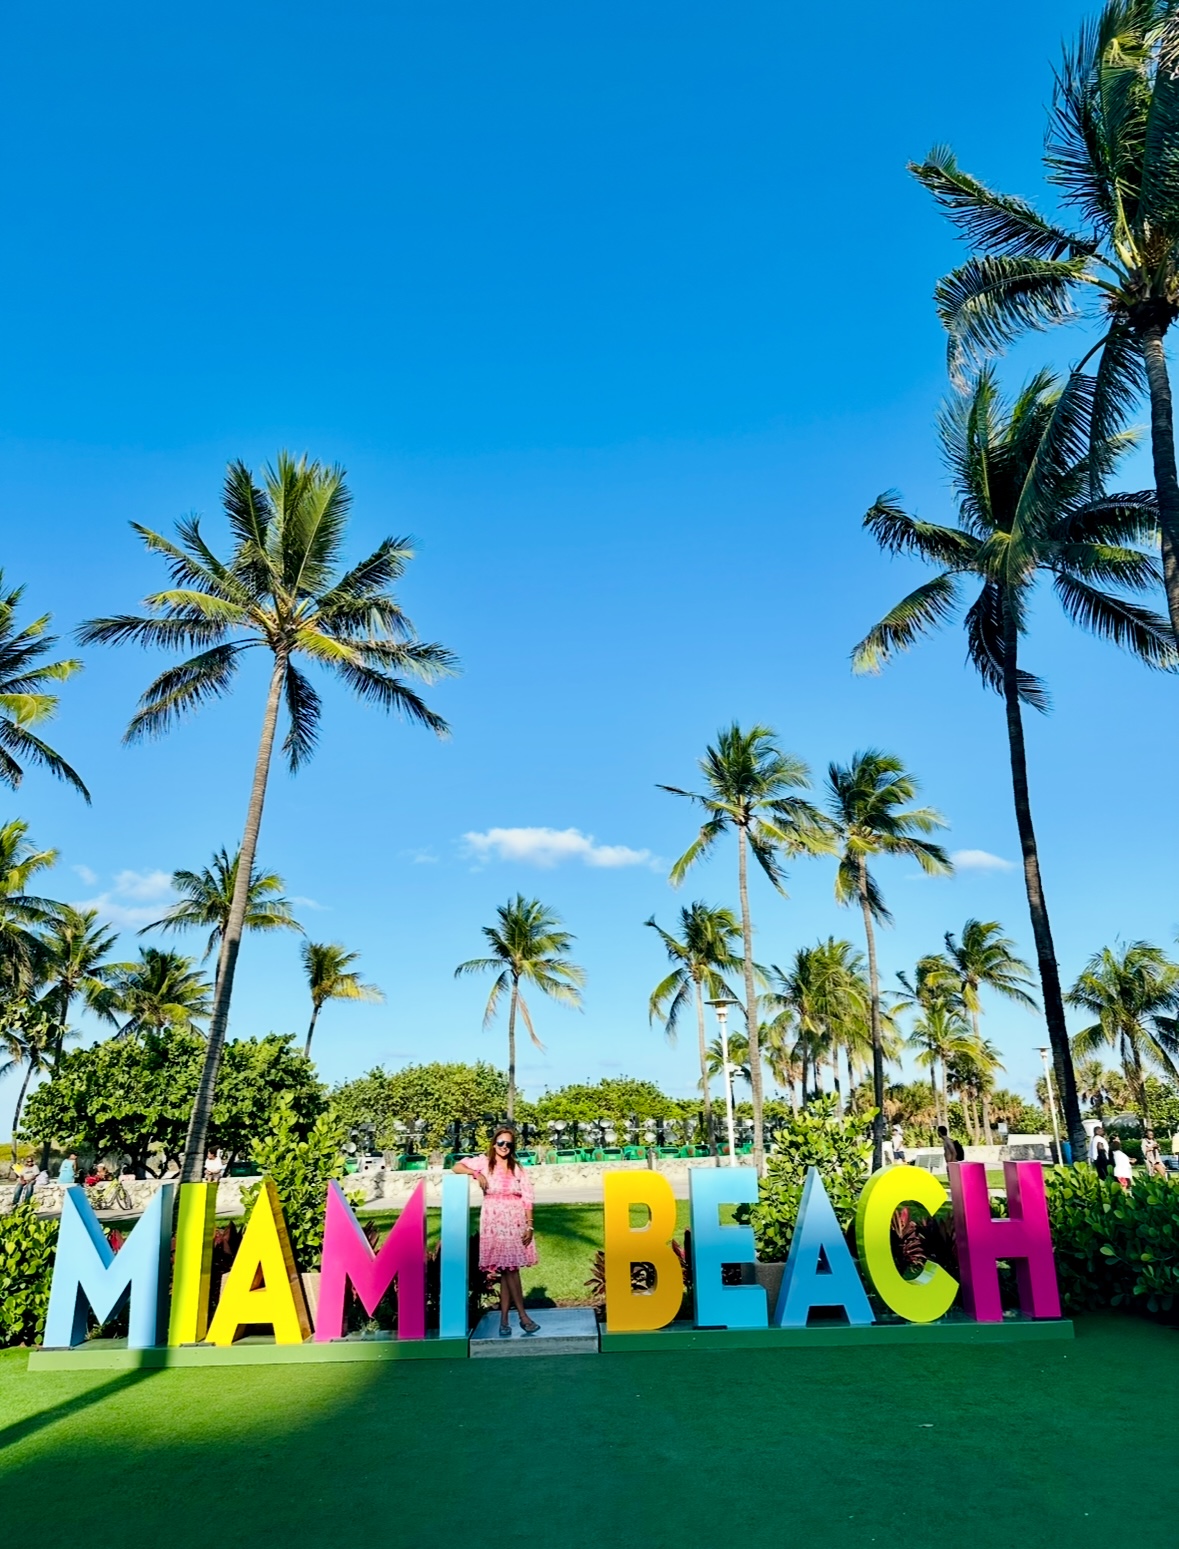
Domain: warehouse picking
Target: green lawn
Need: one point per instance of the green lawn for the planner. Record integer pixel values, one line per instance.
(991, 1444)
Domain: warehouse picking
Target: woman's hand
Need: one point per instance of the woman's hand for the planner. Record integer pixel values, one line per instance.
(481, 1181)
(527, 1238)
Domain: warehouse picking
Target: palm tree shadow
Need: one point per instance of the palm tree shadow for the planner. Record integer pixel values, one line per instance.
(19, 1430)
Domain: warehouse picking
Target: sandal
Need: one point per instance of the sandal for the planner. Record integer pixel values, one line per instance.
(505, 1331)
(529, 1327)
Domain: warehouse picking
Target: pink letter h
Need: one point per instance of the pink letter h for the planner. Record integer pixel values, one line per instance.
(1024, 1237)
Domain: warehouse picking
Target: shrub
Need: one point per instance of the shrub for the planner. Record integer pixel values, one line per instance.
(1114, 1247)
(27, 1248)
(301, 1169)
(839, 1148)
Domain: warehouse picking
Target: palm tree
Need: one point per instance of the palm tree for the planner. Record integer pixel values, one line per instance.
(934, 991)
(1094, 1082)
(868, 808)
(75, 960)
(739, 1063)
(701, 955)
(984, 956)
(206, 901)
(22, 914)
(281, 591)
(941, 1034)
(972, 1071)
(330, 977)
(1025, 485)
(1111, 153)
(162, 990)
(27, 1036)
(26, 696)
(779, 1049)
(749, 787)
(528, 946)
(824, 999)
(1133, 994)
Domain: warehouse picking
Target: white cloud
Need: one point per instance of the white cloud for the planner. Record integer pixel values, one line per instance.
(307, 903)
(548, 847)
(424, 857)
(134, 898)
(980, 860)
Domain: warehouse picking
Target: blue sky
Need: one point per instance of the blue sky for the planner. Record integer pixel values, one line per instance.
(623, 311)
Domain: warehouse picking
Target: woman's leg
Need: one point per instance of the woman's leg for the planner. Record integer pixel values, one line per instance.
(505, 1291)
(518, 1299)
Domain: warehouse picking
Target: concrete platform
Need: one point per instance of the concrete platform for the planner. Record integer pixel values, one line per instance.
(563, 1331)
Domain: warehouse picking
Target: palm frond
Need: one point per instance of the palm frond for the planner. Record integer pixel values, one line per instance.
(1136, 629)
(182, 689)
(998, 223)
(988, 302)
(303, 712)
(926, 607)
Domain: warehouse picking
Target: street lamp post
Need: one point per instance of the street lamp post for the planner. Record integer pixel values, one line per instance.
(1043, 1053)
(721, 1007)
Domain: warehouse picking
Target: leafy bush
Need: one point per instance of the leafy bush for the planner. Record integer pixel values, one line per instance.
(27, 1249)
(1114, 1247)
(436, 1094)
(301, 1169)
(839, 1148)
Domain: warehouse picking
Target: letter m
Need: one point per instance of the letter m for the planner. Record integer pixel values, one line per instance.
(88, 1273)
(348, 1257)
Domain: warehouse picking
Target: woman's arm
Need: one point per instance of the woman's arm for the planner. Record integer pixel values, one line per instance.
(472, 1170)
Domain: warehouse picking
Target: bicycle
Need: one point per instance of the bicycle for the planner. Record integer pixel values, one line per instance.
(111, 1196)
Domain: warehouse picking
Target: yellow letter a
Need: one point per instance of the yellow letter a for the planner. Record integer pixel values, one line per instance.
(263, 1285)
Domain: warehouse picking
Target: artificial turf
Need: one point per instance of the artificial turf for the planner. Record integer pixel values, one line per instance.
(993, 1444)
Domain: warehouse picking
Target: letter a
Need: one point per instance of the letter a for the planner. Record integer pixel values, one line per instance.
(264, 1256)
(818, 1235)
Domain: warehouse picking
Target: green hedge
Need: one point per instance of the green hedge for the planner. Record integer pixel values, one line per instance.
(1114, 1247)
(27, 1248)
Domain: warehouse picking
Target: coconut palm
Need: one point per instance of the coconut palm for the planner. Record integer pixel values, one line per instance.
(738, 1065)
(984, 958)
(162, 990)
(75, 961)
(27, 698)
(941, 1034)
(868, 807)
(935, 992)
(1111, 154)
(1025, 474)
(701, 955)
(528, 946)
(824, 999)
(1095, 1084)
(206, 901)
(27, 1037)
(779, 1050)
(971, 1072)
(281, 591)
(750, 788)
(330, 976)
(1134, 994)
(22, 914)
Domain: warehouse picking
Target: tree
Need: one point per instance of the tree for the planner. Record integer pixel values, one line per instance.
(280, 591)
(1133, 994)
(206, 901)
(131, 1097)
(22, 914)
(161, 990)
(738, 1065)
(436, 1095)
(749, 787)
(75, 961)
(529, 946)
(868, 809)
(329, 977)
(823, 998)
(984, 957)
(702, 954)
(26, 696)
(1028, 480)
(28, 1037)
(941, 1030)
(1112, 149)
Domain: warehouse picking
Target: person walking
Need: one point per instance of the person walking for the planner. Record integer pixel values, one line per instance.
(67, 1173)
(1123, 1167)
(1152, 1157)
(952, 1149)
(506, 1241)
(1099, 1152)
(898, 1143)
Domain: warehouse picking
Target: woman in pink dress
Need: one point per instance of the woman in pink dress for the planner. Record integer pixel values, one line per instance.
(506, 1243)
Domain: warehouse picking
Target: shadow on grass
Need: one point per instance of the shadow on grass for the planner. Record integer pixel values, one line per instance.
(69, 1407)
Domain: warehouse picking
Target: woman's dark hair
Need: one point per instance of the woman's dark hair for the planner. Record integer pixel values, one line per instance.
(502, 1129)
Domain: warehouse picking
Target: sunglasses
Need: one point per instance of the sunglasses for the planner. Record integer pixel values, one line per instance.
(503, 1145)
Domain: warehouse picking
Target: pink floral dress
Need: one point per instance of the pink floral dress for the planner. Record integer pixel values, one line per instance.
(504, 1218)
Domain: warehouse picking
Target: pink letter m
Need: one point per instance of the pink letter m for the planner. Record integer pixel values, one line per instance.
(348, 1257)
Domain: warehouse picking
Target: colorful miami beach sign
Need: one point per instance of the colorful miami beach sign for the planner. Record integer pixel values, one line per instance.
(263, 1286)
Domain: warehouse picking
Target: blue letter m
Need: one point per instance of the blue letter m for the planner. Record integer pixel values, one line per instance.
(88, 1272)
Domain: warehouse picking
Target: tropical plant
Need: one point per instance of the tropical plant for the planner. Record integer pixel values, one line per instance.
(1112, 150)
(823, 999)
(22, 914)
(868, 807)
(74, 960)
(940, 1030)
(1096, 1086)
(1114, 1247)
(738, 1063)
(750, 787)
(28, 1037)
(528, 946)
(984, 958)
(28, 1247)
(163, 989)
(1027, 482)
(1134, 994)
(971, 1072)
(302, 1163)
(701, 955)
(281, 591)
(27, 698)
(330, 977)
(818, 1137)
(206, 901)
(437, 1096)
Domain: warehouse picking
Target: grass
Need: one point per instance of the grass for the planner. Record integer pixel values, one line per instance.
(822, 1448)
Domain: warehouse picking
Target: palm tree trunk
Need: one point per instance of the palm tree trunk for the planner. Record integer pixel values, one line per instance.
(751, 1023)
(20, 1103)
(512, 1051)
(311, 1029)
(877, 1033)
(805, 1069)
(202, 1108)
(1166, 479)
(945, 1095)
(835, 1079)
(1066, 1080)
(985, 1100)
(709, 1126)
